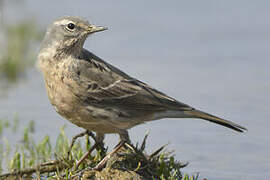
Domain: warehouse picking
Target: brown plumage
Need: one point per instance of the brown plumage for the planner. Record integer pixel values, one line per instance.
(96, 95)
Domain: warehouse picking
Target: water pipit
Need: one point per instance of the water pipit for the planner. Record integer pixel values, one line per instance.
(97, 96)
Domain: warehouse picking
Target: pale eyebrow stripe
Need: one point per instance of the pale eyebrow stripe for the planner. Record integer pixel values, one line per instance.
(62, 22)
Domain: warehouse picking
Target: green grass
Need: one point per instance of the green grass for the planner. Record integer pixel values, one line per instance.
(17, 55)
(49, 160)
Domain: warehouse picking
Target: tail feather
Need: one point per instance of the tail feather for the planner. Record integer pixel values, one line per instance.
(215, 119)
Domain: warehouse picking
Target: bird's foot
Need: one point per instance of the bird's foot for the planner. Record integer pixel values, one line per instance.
(86, 154)
(121, 144)
(99, 146)
(87, 132)
(103, 162)
(101, 149)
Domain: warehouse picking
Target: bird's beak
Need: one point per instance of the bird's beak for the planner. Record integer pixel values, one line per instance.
(93, 29)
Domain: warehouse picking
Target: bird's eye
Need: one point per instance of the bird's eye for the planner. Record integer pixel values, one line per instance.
(71, 26)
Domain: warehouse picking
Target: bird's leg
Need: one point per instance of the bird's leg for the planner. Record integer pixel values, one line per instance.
(77, 136)
(102, 163)
(127, 143)
(124, 138)
(98, 145)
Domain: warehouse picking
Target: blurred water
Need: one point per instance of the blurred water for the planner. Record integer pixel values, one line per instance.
(213, 55)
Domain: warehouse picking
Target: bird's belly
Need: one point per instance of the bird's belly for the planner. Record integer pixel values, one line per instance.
(61, 97)
(70, 106)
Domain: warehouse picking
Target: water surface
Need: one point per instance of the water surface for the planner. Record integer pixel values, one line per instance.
(209, 54)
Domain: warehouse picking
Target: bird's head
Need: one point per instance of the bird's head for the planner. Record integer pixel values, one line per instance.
(69, 34)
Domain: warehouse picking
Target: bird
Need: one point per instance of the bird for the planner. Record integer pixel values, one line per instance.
(97, 96)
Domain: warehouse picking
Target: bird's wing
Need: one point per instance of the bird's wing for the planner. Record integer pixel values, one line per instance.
(108, 86)
(129, 94)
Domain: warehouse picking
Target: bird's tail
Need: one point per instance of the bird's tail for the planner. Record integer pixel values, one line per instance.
(215, 119)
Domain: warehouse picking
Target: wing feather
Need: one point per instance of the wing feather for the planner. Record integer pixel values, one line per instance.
(114, 88)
